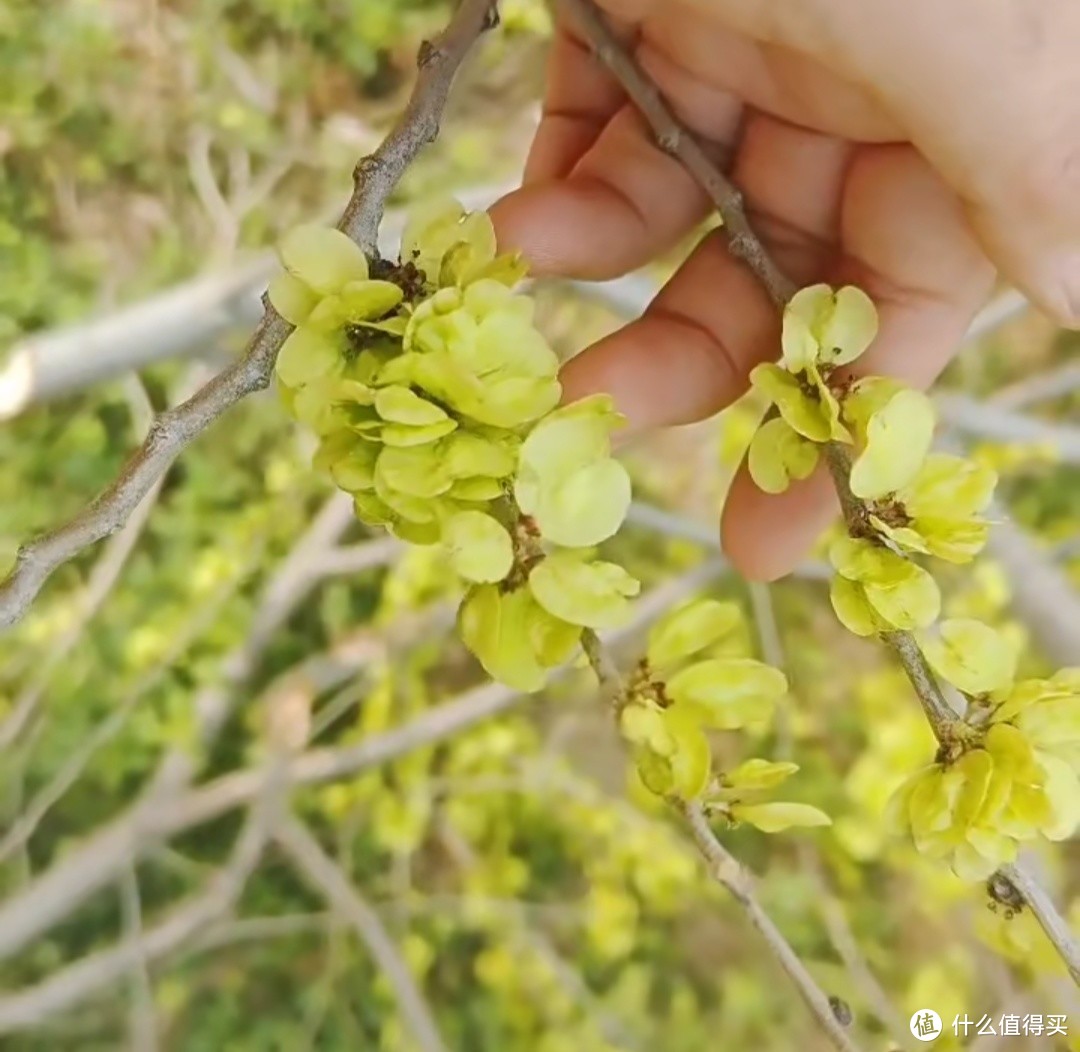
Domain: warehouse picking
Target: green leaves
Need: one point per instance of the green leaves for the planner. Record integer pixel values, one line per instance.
(728, 694)
(883, 590)
(322, 258)
(668, 709)
(827, 327)
(777, 817)
(514, 638)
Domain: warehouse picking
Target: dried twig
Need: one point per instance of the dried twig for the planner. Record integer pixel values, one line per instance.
(140, 825)
(103, 578)
(376, 177)
(324, 874)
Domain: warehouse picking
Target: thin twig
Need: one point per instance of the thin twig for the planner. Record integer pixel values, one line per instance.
(726, 870)
(745, 244)
(675, 139)
(376, 178)
(143, 1018)
(1042, 906)
(832, 914)
(607, 674)
(103, 578)
(324, 874)
(377, 175)
(140, 824)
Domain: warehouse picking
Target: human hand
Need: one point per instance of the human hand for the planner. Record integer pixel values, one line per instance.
(909, 149)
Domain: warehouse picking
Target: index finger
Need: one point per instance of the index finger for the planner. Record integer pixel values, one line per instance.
(581, 96)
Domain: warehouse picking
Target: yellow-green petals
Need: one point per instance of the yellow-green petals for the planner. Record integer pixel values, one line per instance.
(816, 417)
(970, 655)
(944, 503)
(777, 816)
(323, 258)
(898, 438)
(853, 609)
(728, 693)
(591, 594)
(308, 355)
(513, 637)
(567, 480)
(690, 629)
(480, 548)
(291, 298)
(778, 454)
(455, 247)
(757, 775)
(899, 593)
(827, 327)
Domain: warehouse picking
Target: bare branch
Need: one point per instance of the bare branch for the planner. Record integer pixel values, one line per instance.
(999, 423)
(726, 870)
(376, 177)
(1042, 387)
(143, 1018)
(1043, 596)
(323, 873)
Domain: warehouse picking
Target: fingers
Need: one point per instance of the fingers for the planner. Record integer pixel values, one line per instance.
(625, 203)
(1038, 247)
(692, 351)
(906, 242)
(581, 98)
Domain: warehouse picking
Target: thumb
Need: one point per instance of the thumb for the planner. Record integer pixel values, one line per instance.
(1032, 234)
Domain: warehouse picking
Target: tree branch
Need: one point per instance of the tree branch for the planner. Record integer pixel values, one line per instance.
(1046, 913)
(725, 869)
(745, 245)
(376, 178)
(61, 890)
(323, 873)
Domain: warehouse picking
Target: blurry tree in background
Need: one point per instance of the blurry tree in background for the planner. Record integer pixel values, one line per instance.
(476, 870)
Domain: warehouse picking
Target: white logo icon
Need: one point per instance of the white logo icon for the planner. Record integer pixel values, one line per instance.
(926, 1025)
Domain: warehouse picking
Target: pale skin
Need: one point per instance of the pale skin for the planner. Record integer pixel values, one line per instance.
(917, 149)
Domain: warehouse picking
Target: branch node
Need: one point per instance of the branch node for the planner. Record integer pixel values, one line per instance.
(841, 1011)
(427, 54)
